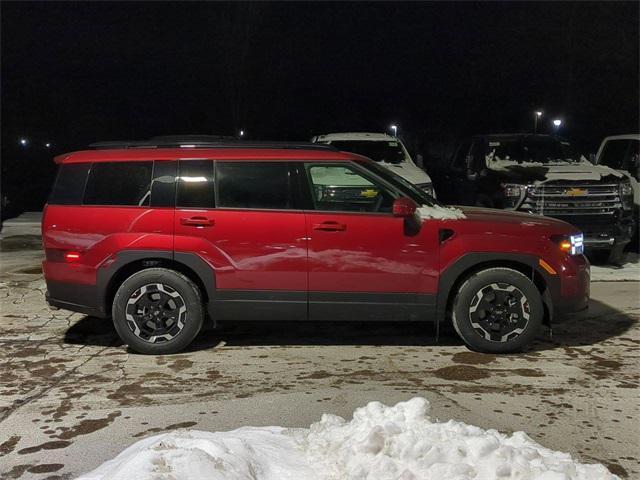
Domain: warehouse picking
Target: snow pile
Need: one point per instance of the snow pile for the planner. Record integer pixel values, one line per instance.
(439, 212)
(628, 271)
(380, 443)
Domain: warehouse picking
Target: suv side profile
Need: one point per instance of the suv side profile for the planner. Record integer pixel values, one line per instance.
(163, 237)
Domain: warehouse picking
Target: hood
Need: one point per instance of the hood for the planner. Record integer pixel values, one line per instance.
(540, 173)
(512, 218)
(408, 170)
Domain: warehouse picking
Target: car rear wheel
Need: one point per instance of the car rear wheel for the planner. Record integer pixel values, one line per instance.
(498, 310)
(157, 311)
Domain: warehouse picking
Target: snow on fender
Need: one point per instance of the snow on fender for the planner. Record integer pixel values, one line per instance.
(380, 443)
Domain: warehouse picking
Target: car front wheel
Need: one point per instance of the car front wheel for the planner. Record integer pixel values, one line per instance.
(157, 311)
(498, 310)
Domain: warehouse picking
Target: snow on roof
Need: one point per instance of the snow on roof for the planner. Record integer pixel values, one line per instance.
(378, 443)
(628, 136)
(371, 136)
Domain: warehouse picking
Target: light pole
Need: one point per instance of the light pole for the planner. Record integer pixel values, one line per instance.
(395, 130)
(24, 142)
(241, 133)
(536, 115)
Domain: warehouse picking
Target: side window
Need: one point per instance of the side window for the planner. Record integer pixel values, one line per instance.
(613, 153)
(460, 157)
(254, 185)
(342, 188)
(195, 184)
(119, 183)
(163, 187)
(69, 185)
(476, 157)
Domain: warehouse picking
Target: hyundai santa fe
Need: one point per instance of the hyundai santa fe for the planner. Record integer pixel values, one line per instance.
(163, 237)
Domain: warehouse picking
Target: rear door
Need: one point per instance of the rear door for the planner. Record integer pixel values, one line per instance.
(242, 218)
(364, 263)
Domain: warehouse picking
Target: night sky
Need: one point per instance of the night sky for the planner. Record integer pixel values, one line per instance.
(73, 73)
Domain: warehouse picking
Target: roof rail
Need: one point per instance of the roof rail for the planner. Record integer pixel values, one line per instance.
(204, 141)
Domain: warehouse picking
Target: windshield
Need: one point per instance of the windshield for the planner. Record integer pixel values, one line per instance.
(381, 151)
(406, 188)
(533, 150)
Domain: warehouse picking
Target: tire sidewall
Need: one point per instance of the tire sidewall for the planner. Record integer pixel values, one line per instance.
(468, 291)
(185, 287)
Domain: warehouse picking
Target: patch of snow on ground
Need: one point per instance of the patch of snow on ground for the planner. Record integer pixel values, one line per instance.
(629, 271)
(440, 213)
(380, 443)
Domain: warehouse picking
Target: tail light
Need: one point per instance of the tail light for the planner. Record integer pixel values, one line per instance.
(71, 257)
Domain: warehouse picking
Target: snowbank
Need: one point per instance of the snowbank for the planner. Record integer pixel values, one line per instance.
(440, 213)
(629, 271)
(380, 443)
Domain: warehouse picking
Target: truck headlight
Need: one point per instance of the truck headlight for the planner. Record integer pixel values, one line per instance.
(626, 194)
(427, 188)
(513, 190)
(571, 244)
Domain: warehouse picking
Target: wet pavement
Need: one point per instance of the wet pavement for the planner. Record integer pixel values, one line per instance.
(71, 396)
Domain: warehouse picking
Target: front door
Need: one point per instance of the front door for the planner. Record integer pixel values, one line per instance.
(364, 263)
(246, 226)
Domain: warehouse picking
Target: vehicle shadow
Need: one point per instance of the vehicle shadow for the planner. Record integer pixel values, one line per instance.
(599, 323)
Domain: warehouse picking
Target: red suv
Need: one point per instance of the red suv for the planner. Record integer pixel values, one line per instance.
(163, 237)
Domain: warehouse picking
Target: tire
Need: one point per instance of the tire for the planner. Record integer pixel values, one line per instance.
(157, 311)
(514, 299)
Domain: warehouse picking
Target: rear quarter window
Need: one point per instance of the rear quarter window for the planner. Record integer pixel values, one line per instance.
(119, 183)
(68, 189)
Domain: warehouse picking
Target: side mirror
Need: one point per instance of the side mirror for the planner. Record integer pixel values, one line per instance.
(404, 207)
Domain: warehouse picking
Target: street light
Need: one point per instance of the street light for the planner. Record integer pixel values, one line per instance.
(536, 115)
(24, 142)
(556, 123)
(47, 145)
(241, 133)
(395, 130)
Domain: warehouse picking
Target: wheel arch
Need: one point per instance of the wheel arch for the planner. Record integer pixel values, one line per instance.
(131, 261)
(455, 275)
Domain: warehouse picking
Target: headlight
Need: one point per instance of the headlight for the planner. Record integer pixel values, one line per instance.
(428, 188)
(626, 189)
(513, 189)
(626, 194)
(571, 244)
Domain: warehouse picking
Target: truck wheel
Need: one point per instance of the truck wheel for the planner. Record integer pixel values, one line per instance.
(157, 311)
(498, 310)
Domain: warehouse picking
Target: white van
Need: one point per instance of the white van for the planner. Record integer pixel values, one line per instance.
(385, 149)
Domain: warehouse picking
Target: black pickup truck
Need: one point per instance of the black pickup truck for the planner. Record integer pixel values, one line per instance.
(541, 174)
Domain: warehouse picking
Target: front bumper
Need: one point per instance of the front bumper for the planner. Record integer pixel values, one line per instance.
(607, 236)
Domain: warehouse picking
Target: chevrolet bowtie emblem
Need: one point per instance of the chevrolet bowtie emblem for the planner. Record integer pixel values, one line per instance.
(576, 192)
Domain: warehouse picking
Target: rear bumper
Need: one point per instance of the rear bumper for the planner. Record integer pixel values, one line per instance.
(75, 297)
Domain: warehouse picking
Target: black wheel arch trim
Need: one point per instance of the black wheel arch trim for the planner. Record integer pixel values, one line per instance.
(123, 258)
(469, 261)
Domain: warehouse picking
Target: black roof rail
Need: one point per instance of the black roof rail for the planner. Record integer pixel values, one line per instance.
(204, 141)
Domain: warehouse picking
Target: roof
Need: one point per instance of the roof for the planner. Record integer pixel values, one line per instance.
(253, 153)
(371, 136)
(628, 136)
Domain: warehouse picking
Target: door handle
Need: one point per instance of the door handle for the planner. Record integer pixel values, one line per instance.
(197, 222)
(330, 227)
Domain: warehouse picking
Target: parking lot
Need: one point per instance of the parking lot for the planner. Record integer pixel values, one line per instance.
(71, 396)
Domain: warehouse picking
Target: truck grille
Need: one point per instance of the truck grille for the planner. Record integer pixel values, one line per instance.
(561, 199)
